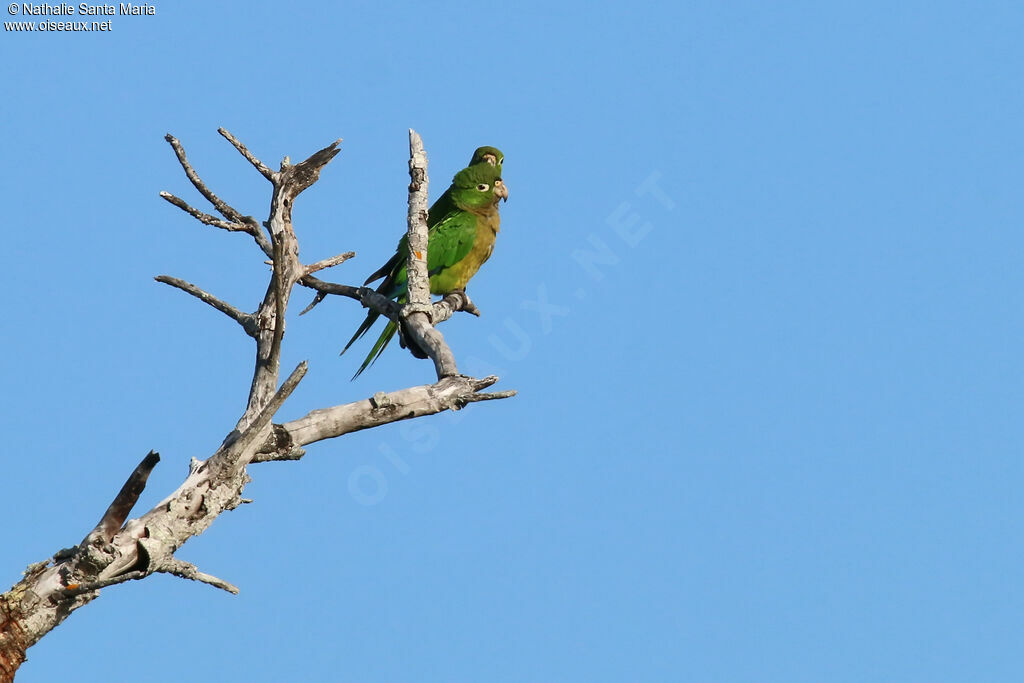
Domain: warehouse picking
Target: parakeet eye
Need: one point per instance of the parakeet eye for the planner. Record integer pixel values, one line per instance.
(483, 187)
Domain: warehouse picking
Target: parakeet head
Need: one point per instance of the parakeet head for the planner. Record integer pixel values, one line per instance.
(490, 155)
(478, 187)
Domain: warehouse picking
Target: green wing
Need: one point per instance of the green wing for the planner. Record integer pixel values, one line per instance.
(441, 209)
(450, 240)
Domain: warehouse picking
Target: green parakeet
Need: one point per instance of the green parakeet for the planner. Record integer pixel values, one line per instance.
(441, 208)
(459, 242)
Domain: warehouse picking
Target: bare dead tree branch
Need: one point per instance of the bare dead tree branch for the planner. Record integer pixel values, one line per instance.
(241, 449)
(329, 262)
(233, 215)
(246, 320)
(305, 173)
(222, 207)
(324, 288)
(118, 549)
(250, 157)
(416, 314)
(288, 183)
(450, 304)
(450, 393)
(442, 310)
(286, 455)
(187, 570)
(205, 217)
(419, 280)
(317, 298)
(365, 295)
(118, 511)
(75, 589)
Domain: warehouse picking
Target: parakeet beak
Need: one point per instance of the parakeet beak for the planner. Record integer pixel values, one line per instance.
(501, 190)
(491, 159)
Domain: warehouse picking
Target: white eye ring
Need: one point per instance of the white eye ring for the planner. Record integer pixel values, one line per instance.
(483, 187)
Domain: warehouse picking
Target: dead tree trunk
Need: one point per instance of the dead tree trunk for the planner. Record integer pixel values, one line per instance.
(116, 550)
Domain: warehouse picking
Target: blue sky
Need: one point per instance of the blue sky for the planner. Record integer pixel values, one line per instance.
(773, 434)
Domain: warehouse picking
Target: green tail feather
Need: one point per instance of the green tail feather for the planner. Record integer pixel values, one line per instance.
(371, 318)
(388, 289)
(378, 347)
(385, 336)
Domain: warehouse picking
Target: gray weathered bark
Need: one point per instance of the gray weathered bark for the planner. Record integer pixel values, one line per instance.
(116, 551)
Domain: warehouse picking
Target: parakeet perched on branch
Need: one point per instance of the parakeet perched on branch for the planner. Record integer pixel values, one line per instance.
(460, 239)
(441, 208)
